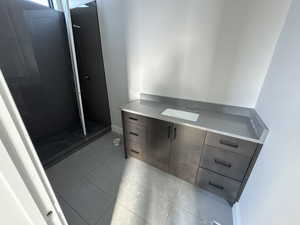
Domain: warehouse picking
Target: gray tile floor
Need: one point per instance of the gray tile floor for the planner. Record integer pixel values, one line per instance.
(97, 186)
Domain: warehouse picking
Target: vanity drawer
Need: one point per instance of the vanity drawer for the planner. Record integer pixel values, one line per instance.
(135, 150)
(218, 184)
(136, 133)
(236, 145)
(225, 162)
(131, 118)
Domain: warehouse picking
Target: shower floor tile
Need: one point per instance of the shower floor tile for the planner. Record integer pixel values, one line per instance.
(56, 147)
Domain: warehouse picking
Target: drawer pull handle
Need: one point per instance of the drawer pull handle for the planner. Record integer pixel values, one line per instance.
(134, 151)
(132, 133)
(132, 118)
(229, 143)
(216, 185)
(223, 163)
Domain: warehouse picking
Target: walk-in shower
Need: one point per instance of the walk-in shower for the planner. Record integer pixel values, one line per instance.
(36, 61)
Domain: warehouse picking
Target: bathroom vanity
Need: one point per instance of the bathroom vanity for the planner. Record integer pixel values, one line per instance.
(209, 145)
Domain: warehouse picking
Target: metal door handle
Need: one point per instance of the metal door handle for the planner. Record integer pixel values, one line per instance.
(169, 131)
(175, 133)
(133, 133)
(222, 163)
(85, 76)
(216, 185)
(76, 26)
(229, 143)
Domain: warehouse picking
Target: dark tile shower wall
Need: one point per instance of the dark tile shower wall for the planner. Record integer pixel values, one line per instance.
(35, 61)
(90, 64)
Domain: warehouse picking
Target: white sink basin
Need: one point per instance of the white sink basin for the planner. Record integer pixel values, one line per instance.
(180, 114)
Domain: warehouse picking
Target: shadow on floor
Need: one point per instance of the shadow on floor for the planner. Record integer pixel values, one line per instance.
(55, 148)
(97, 186)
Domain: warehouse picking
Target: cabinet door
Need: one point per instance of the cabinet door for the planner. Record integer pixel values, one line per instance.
(185, 152)
(157, 148)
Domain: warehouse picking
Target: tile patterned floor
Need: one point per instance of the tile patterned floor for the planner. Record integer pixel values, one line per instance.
(97, 186)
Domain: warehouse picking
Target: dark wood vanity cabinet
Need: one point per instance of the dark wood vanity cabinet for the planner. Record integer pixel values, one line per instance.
(215, 162)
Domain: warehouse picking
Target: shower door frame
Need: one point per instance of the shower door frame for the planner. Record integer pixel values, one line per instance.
(69, 26)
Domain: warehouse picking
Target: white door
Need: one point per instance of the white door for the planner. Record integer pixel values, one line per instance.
(16, 203)
(26, 196)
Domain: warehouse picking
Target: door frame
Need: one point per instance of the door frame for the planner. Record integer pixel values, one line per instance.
(23, 155)
(69, 27)
(19, 207)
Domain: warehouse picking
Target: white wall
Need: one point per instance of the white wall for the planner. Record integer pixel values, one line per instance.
(272, 192)
(57, 4)
(72, 3)
(76, 3)
(216, 50)
(209, 50)
(113, 37)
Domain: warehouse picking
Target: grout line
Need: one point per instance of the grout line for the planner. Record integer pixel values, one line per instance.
(84, 177)
(97, 186)
(74, 210)
(134, 213)
(102, 217)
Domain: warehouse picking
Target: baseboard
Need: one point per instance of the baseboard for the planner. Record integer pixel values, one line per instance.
(236, 214)
(117, 129)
